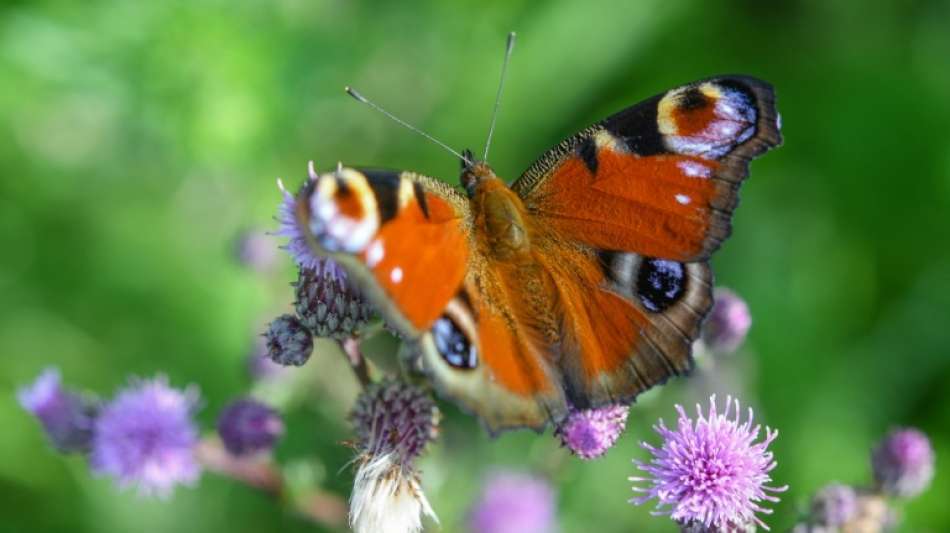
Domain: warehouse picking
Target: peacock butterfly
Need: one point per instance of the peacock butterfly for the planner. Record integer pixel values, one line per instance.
(582, 283)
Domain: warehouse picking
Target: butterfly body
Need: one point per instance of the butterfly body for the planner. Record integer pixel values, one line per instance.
(584, 282)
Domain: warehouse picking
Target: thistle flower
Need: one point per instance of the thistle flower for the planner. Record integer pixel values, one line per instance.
(728, 323)
(834, 505)
(296, 245)
(711, 471)
(903, 463)
(288, 341)
(394, 422)
(145, 437)
(67, 418)
(328, 304)
(589, 433)
(514, 503)
(248, 426)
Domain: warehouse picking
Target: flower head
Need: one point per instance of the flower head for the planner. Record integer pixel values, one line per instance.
(589, 433)
(248, 426)
(514, 503)
(395, 417)
(728, 323)
(328, 304)
(288, 341)
(296, 245)
(145, 437)
(903, 463)
(67, 418)
(834, 505)
(394, 423)
(711, 471)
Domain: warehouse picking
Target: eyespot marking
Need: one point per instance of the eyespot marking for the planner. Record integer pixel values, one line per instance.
(453, 345)
(660, 283)
(707, 120)
(344, 215)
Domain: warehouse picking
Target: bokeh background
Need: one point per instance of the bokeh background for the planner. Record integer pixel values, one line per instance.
(139, 140)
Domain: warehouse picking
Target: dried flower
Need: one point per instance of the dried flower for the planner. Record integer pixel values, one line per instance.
(248, 426)
(145, 437)
(589, 433)
(67, 418)
(514, 502)
(328, 304)
(834, 505)
(394, 422)
(288, 341)
(710, 471)
(903, 463)
(728, 323)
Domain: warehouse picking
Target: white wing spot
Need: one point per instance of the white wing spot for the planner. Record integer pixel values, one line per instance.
(694, 169)
(683, 199)
(375, 253)
(396, 275)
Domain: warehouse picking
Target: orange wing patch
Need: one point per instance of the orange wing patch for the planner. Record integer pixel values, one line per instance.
(660, 206)
(413, 251)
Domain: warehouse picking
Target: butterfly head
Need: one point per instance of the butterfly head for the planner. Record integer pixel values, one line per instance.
(474, 172)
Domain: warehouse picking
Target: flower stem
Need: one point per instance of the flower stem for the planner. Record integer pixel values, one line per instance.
(351, 347)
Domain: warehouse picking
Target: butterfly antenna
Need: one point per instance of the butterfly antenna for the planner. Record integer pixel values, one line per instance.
(360, 98)
(501, 84)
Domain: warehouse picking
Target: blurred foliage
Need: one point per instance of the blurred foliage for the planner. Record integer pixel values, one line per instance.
(138, 139)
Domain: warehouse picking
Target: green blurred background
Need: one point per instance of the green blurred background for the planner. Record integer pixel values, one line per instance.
(139, 139)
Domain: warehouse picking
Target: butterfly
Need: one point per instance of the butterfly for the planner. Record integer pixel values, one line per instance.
(582, 283)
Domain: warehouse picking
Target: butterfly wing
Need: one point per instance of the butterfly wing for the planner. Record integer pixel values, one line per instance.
(406, 239)
(627, 212)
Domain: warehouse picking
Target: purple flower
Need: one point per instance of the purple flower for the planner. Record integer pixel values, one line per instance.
(514, 503)
(392, 416)
(728, 323)
(834, 505)
(297, 245)
(145, 437)
(589, 433)
(903, 463)
(710, 471)
(67, 418)
(247, 426)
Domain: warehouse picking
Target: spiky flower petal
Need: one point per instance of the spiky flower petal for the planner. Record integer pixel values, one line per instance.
(67, 417)
(514, 502)
(589, 433)
(711, 470)
(903, 463)
(145, 437)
